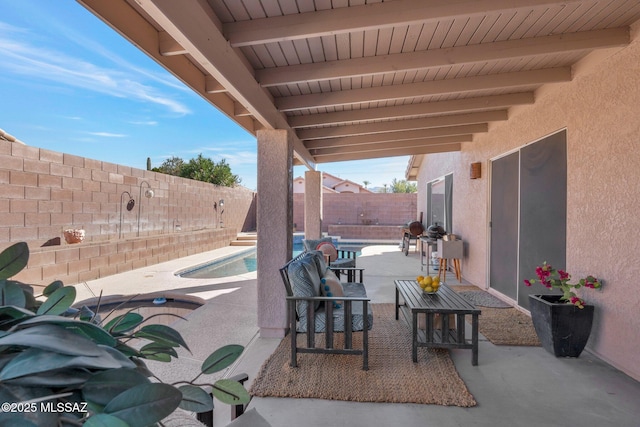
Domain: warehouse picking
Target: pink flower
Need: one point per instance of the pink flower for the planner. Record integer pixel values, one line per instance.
(559, 279)
(577, 302)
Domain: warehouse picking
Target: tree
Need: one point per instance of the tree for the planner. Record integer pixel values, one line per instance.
(403, 186)
(365, 182)
(201, 169)
(204, 169)
(171, 166)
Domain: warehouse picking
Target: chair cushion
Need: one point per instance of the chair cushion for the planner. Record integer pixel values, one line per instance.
(330, 286)
(318, 257)
(357, 319)
(312, 244)
(305, 281)
(344, 263)
(327, 248)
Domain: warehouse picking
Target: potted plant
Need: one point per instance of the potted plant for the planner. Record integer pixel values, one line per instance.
(562, 322)
(61, 366)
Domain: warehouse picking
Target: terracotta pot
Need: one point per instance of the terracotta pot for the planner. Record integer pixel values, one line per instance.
(563, 329)
(74, 235)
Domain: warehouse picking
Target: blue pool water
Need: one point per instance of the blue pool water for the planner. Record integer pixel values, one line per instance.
(245, 262)
(234, 265)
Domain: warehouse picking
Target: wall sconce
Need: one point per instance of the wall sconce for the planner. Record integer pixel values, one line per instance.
(148, 194)
(476, 170)
(130, 204)
(221, 204)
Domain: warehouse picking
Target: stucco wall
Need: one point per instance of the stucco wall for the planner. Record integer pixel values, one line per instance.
(360, 209)
(600, 110)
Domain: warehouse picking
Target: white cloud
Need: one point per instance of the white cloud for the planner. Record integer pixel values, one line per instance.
(41, 63)
(108, 134)
(145, 123)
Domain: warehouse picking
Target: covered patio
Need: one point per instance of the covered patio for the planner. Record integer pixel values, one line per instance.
(519, 386)
(328, 81)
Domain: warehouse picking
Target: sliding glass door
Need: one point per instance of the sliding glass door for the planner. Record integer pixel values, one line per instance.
(528, 214)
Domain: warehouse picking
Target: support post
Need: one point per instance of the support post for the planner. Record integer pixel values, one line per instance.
(312, 205)
(275, 227)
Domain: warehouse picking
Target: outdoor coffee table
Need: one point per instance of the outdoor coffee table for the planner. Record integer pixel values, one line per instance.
(446, 301)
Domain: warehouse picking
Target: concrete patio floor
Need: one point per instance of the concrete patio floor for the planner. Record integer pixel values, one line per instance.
(514, 386)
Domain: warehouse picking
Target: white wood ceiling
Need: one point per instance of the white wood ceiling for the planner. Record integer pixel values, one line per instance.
(360, 79)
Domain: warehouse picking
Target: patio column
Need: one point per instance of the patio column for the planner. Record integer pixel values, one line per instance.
(275, 227)
(312, 205)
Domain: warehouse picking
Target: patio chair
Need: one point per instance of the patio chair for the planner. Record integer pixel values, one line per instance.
(338, 258)
(313, 307)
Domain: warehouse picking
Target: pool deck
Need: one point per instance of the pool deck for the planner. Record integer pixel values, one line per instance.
(515, 386)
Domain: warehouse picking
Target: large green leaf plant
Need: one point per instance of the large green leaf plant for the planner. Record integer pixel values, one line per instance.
(60, 366)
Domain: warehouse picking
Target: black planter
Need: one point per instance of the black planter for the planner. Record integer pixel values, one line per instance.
(563, 329)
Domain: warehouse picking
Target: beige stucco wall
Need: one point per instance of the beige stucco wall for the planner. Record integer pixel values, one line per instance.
(600, 109)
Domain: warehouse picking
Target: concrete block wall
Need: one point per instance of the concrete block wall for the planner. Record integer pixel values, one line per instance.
(361, 209)
(81, 262)
(44, 192)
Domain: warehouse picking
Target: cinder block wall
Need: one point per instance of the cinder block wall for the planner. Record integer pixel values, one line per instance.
(43, 192)
(361, 209)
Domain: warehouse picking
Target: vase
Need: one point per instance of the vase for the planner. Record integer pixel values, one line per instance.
(73, 235)
(563, 329)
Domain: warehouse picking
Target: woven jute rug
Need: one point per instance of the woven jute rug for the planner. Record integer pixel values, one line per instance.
(392, 375)
(503, 326)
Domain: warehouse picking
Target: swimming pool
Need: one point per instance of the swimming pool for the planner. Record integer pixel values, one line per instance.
(233, 265)
(246, 262)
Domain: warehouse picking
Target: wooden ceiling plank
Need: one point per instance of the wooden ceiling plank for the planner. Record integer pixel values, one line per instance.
(396, 136)
(402, 144)
(510, 49)
(400, 125)
(436, 87)
(365, 17)
(426, 149)
(422, 109)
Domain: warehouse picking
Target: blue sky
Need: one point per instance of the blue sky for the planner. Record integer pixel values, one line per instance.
(70, 83)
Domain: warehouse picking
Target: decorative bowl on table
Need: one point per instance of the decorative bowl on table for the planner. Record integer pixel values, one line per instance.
(428, 284)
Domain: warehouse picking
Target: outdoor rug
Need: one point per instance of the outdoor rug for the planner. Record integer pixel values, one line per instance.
(501, 326)
(484, 299)
(392, 376)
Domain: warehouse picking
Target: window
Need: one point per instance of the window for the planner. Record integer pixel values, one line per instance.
(439, 202)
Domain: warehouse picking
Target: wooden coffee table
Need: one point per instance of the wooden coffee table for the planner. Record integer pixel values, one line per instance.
(446, 301)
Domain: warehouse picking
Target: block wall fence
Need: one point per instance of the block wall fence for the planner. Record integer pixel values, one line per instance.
(43, 192)
(362, 215)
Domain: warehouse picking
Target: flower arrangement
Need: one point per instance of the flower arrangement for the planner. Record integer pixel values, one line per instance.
(552, 278)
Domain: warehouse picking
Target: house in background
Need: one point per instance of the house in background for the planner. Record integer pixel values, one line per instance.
(332, 184)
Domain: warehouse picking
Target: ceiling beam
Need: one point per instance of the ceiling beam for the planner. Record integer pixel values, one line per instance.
(395, 152)
(429, 88)
(367, 17)
(395, 136)
(196, 28)
(413, 110)
(168, 46)
(412, 143)
(429, 59)
(213, 86)
(401, 125)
